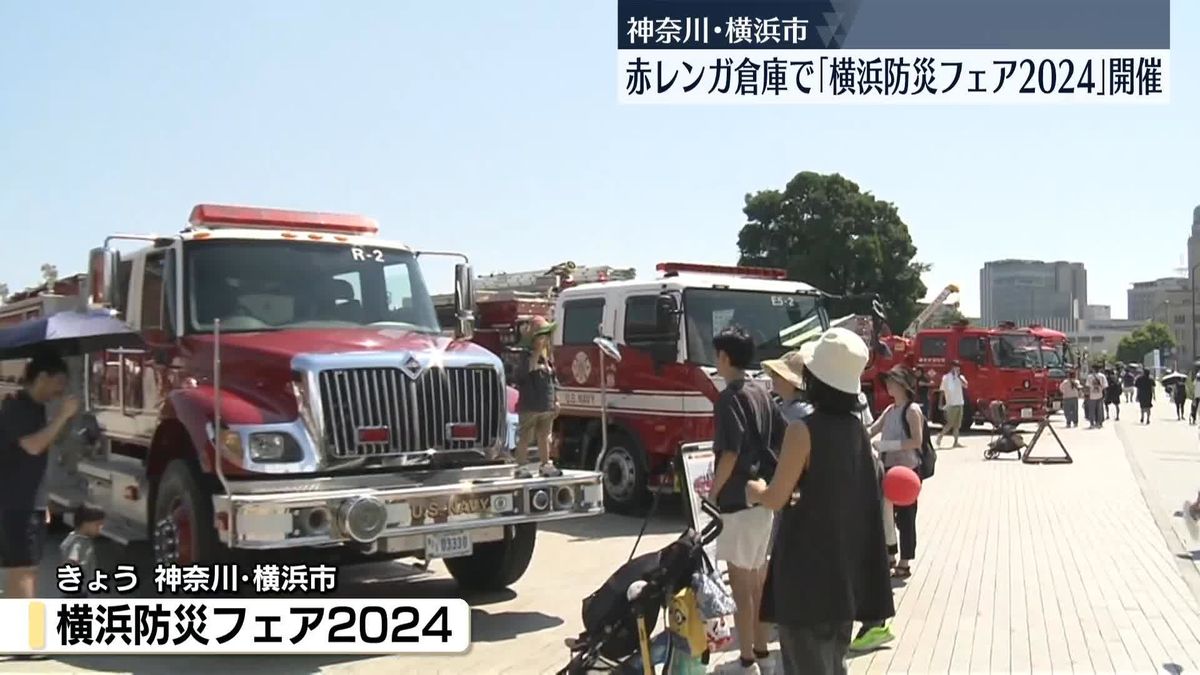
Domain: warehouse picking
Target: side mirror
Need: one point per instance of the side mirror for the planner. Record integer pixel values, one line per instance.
(609, 348)
(103, 264)
(667, 316)
(665, 349)
(464, 302)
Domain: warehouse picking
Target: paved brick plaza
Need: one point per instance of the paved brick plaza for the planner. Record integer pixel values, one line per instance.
(1029, 569)
(1043, 568)
(1020, 569)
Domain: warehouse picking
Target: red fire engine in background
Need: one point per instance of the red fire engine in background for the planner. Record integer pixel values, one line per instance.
(1006, 364)
(660, 395)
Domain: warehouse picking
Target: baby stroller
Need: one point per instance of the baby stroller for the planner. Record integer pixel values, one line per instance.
(619, 617)
(1005, 438)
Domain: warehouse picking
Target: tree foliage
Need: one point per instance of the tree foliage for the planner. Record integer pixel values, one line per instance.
(1134, 347)
(827, 232)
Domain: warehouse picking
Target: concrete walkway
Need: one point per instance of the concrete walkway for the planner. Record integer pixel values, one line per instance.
(1056, 568)
(1020, 569)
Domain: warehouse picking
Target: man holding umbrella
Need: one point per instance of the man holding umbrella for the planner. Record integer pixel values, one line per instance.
(26, 435)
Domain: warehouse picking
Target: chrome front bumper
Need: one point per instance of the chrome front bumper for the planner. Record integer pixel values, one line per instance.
(397, 517)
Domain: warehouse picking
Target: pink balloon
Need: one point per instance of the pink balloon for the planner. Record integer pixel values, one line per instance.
(901, 486)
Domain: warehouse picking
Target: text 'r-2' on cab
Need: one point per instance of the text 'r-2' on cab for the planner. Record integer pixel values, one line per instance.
(304, 352)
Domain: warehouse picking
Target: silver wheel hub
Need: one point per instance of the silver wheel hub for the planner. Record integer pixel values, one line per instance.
(619, 473)
(166, 542)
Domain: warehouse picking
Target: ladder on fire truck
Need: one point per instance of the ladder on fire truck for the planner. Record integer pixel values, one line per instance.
(927, 313)
(553, 280)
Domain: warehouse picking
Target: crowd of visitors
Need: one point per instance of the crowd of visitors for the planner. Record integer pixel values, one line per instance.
(798, 481)
(1105, 389)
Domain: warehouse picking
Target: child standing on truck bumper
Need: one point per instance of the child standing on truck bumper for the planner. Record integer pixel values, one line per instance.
(537, 387)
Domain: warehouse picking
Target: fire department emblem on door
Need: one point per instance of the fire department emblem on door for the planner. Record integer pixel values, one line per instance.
(581, 368)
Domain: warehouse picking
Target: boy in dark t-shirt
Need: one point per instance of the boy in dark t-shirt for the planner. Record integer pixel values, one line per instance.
(747, 431)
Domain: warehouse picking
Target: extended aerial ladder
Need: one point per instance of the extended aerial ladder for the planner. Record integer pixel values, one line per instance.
(927, 313)
(553, 280)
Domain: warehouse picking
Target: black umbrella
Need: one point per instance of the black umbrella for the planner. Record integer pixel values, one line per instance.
(67, 334)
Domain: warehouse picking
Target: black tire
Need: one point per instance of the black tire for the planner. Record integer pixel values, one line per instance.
(496, 565)
(179, 496)
(625, 476)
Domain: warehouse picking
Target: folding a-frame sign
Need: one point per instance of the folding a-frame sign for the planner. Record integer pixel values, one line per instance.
(1028, 457)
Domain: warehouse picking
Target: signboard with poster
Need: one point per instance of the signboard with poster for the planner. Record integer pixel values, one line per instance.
(698, 470)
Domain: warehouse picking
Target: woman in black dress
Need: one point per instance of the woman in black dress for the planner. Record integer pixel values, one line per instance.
(1144, 385)
(1112, 395)
(829, 563)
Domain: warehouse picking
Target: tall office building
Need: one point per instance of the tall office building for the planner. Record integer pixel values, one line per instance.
(1193, 259)
(1149, 300)
(1053, 294)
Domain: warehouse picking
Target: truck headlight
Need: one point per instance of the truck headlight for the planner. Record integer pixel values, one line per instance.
(270, 447)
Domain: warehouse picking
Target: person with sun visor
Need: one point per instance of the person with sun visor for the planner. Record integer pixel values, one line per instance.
(537, 387)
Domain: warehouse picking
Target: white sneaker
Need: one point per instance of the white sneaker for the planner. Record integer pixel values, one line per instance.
(1190, 521)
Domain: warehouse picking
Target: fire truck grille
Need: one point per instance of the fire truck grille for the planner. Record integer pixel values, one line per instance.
(382, 411)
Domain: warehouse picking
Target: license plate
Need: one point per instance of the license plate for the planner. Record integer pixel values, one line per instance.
(1026, 413)
(448, 545)
(1055, 405)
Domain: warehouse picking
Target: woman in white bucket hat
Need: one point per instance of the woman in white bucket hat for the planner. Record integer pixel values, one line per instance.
(829, 564)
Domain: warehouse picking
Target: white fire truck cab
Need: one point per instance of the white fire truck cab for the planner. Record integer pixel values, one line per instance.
(660, 395)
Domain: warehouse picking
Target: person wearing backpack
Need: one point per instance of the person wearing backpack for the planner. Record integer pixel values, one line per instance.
(901, 431)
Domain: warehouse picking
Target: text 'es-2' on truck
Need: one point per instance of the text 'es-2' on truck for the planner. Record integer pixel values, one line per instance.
(295, 394)
(659, 395)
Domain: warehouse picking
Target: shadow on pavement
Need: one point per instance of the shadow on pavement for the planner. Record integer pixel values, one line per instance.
(667, 520)
(226, 665)
(502, 626)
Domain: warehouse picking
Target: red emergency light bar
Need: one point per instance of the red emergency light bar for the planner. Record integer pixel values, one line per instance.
(214, 215)
(758, 272)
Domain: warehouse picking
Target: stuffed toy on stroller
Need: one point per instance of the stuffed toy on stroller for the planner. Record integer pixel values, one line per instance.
(1005, 438)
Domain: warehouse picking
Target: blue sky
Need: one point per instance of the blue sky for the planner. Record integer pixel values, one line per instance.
(501, 135)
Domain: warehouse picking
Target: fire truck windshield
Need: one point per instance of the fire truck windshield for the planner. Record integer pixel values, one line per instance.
(272, 285)
(761, 314)
(1016, 350)
(1051, 357)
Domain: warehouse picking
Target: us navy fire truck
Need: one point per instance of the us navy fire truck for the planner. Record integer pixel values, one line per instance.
(659, 396)
(295, 393)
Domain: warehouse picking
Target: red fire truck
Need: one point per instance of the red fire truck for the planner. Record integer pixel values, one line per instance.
(1057, 358)
(295, 394)
(660, 394)
(1003, 364)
